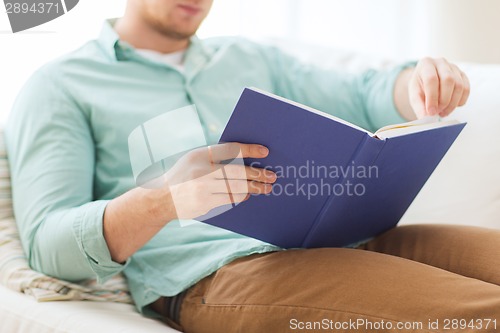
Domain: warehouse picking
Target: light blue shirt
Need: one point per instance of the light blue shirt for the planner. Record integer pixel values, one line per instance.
(67, 144)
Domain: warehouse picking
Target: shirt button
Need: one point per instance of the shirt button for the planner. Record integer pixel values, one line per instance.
(212, 128)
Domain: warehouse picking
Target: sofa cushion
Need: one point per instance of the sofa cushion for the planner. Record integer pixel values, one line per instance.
(465, 188)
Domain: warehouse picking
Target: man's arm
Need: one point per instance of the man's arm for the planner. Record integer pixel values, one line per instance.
(133, 218)
(401, 95)
(363, 98)
(191, 188)
(52, 160)
(372, 98)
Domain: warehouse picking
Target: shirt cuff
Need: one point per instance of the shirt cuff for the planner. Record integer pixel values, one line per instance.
(384, 111)
(88, 229)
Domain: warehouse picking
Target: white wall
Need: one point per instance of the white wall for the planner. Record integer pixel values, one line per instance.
(467, 30)
(23, 52)
(462, 30)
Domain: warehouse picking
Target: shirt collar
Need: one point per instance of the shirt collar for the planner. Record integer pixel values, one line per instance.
(108, 39)
(197, 53)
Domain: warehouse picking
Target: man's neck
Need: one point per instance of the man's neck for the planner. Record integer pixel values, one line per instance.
(142, 36)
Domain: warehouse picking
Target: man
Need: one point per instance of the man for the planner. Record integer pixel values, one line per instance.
(81, 215)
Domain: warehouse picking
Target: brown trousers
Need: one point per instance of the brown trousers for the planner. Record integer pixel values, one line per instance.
(411, 279)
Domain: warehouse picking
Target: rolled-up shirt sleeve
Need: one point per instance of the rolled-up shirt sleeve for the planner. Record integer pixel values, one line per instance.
(365, 98)
(52, 159)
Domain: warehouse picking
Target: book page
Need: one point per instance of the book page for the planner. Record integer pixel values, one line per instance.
(415, 126)
(425, 120)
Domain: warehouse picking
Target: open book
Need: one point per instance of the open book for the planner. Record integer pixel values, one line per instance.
(338, 184)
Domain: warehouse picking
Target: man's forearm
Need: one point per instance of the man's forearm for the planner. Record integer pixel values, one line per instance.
(401, 95)
(133, 218)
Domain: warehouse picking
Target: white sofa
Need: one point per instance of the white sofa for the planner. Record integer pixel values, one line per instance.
(20, 313)
(465, 189)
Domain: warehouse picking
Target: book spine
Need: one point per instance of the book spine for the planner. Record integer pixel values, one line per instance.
(323, 232)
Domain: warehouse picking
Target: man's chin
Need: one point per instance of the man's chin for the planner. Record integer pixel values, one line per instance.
(176, 33)
(182, 35)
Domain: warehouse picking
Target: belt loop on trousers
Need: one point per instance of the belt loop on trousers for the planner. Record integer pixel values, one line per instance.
(173, 307)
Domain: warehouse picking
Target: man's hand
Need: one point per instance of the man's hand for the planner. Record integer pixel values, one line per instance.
(433, 87)
(200, 181)
(196, 183)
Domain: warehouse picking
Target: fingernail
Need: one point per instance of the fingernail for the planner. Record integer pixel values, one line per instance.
(432, 110)
(263, 150)
(271, 176)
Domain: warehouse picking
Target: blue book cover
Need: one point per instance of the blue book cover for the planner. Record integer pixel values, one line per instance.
(337, 184)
